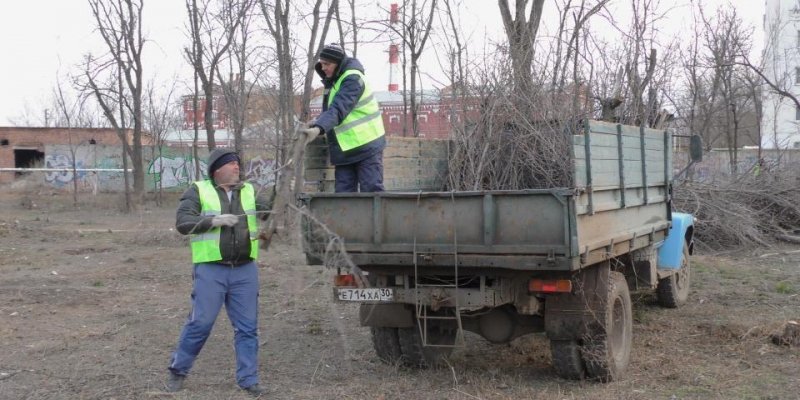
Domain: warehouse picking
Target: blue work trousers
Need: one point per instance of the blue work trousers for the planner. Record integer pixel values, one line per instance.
(366, 175)
(237, 288)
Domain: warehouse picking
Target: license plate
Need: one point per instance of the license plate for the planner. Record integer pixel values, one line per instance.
(367, 294)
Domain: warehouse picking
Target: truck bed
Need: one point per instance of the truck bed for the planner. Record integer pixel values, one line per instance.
(619, 204)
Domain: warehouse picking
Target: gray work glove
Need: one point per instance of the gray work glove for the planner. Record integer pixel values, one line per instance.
(224, 220)
(310, 133)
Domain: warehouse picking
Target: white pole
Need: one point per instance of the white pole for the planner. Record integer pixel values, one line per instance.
(66, 169)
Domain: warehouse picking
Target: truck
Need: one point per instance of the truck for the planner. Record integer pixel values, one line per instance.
(507, 263)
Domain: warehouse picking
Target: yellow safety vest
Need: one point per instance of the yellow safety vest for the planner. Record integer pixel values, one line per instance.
(364, 124)
(205, 246)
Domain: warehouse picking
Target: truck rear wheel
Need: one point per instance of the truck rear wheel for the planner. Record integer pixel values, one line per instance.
(673, 291)
(607, 348)
(567, 359)
(387, 344)
(417, 355)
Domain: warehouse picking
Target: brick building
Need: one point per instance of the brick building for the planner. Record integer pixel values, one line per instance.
(262, 105)
(22, 147)
(219, 113)
(435, 111)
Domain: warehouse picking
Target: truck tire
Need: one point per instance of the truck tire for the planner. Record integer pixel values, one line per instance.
(567, 359)
(673, 291)
(419, 356)
(607, 348)
(386, 344)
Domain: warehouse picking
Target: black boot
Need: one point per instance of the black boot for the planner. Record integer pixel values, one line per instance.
(254, 390)
(174, 382)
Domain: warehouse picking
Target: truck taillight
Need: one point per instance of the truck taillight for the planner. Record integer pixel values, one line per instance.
(550, 285)
(344, 280)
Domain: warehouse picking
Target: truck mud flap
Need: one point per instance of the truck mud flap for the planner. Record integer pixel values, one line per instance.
(386, 315)
(568, 316)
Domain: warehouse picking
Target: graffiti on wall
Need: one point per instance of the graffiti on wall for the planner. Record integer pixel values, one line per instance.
(86, 157)
(61, 178)
(174, 171)
(171, 168)
(261, 172)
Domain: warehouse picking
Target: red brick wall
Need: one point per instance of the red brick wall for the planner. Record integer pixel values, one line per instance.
(12, 138)
(220, 115)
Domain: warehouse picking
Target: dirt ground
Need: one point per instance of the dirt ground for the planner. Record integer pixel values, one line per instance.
(92, 301)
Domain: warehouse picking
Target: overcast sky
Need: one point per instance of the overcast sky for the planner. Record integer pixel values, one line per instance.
(43, 39)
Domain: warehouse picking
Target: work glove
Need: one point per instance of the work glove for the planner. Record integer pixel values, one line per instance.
(224, 220)
(311, 133)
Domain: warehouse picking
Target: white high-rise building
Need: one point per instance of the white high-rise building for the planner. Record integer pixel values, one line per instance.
(780, 124)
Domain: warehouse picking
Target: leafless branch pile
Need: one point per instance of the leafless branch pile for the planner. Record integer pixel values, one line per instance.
(507, 151)
(742, 213)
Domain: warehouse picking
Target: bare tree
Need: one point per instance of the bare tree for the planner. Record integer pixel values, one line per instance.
(70, 112)
(119, 22)
(414, 31)
(212, 27)
(162, 114)
(315, 46)
(774, 79)
(237, 89)
(521, 30)
(102, 79)
(277, 18)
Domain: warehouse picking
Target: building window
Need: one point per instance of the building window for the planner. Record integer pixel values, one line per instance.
(422, 118)
(797, 114)
(796, 145)
(393, 119)
(797, 75)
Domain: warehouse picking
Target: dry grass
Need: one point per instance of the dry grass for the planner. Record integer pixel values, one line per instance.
(103, 327)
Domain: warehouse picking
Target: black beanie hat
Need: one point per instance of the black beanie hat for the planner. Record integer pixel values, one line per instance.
(332, 52)
(222, 161)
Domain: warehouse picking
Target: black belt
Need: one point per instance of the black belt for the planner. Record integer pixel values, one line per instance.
(234, 263)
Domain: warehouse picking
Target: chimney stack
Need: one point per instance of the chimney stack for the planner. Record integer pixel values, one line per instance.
(394, 50)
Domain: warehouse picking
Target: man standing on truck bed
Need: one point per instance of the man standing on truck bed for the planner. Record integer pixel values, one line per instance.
(220, 215)
(352, 122)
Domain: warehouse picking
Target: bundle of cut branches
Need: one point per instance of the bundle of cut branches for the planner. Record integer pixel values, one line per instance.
(510, 148)
(742, 213)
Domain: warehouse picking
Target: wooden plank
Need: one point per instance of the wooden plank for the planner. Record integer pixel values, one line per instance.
(602, 127)
(609, 153)
(606, 173)
(630, 130)
(612, 166)
(608, 199)
(634, 142)
(610, 128)
(605, 153)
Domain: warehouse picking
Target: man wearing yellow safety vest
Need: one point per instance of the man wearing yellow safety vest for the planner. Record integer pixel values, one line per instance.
(219, 214)
(351, 121)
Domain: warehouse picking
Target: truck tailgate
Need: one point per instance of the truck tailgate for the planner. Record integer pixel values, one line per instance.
(487, 228)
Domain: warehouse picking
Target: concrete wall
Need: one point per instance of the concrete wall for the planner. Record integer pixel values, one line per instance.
(171, 168)
(716, 164)
(410, 164)
(18, 144)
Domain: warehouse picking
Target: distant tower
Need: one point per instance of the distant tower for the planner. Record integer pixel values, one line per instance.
(780, 122)
(394, 50)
